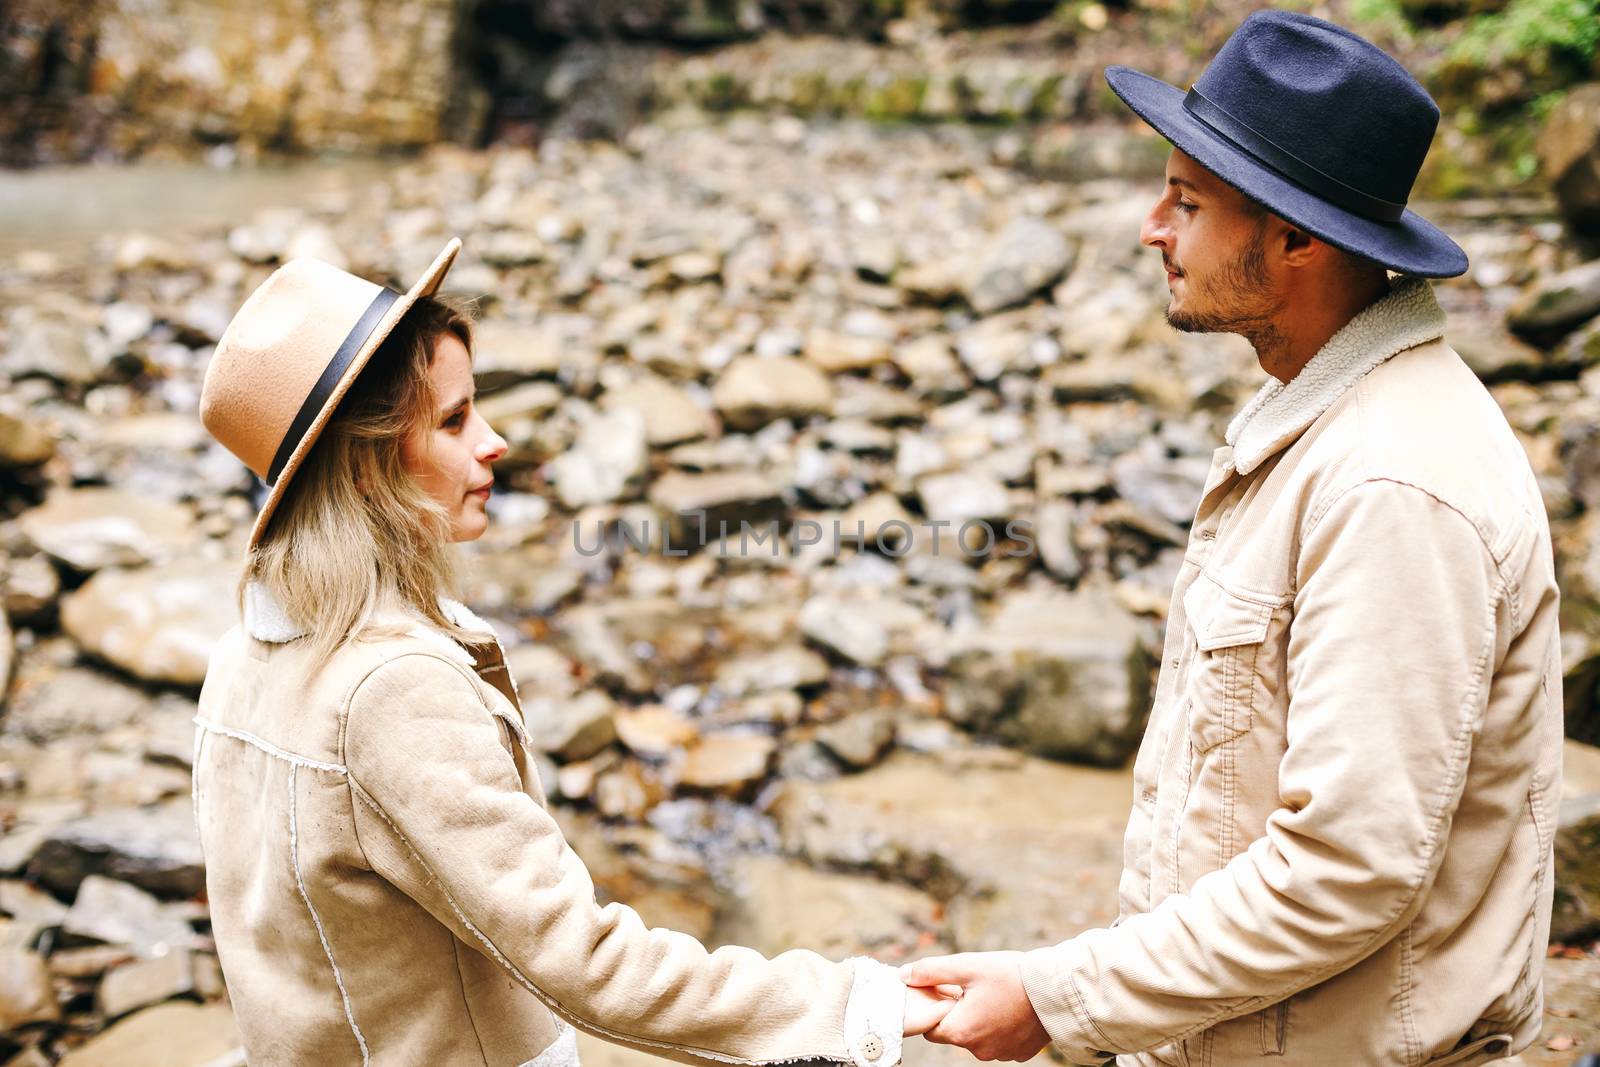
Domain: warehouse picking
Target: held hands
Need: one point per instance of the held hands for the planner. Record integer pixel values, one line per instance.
(925, 1007)
(993, 1018)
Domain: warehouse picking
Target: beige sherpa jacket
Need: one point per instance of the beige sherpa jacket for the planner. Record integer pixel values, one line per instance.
(1340, 845)
(387, 888)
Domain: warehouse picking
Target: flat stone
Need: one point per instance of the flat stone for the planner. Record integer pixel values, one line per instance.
(1026, 257)
(727, 763)
(835, 352)
(157, 623)
(671, 415)
(26, 993)
(783, 905)
(117, 913)
(698, 505)
(91, 528)
(144, 982)
(571, 727)
(781, 668)
(155, 848)
(607, 463)
(176, 1034)
(1558, 303)
(858, 740)
(752, 391)
(1024, 850)
(861, 630)
(654, 731)
(961, 496)
(76, 700)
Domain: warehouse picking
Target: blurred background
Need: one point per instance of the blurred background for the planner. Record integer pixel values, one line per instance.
(828, 262)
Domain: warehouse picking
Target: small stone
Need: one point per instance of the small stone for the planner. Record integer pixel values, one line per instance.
(654, 731)
(571, 728)
(23, 443)
(782, 668)
(28, 589)
(752, 391)
(26, 994)
(117, 913)
(144, 982)
(1557, 304)
(727, 763)
(962, 496)
(608, 463)
(671, 415)
(835, 352)
(931, 365)
(1027, 256)
(698, 505)
(176, 1034)
(859, 740)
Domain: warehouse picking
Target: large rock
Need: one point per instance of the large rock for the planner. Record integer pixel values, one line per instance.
(1027, 256)
(752, 391)
(1060, 674)
(1024, 851)
(115, 913)
(157, 623)
(75, 700)
(178, 1034)
(671, 415)
(1558, 304)
(701, 507)
(154, 848)
(727, 763)
(1569, 155)
(763, 672)
(607, 464)
(1577, 882)
(864, 631)
(26, 994)
(783, 905)
(571, 727)
(91, 528)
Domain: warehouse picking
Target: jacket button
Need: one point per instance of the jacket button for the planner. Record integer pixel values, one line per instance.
(871, 1046)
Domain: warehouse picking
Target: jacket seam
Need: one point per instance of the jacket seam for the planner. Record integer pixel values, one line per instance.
(316, 920)
(1075, 1001)
(1435, 819)
(550, 1002)
(1408, 1018)
(461, 982)
(268, 747)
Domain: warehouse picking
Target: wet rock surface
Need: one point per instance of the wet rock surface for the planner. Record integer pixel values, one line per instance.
(849, 476)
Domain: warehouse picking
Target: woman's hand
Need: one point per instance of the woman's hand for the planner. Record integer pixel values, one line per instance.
(926, 1008)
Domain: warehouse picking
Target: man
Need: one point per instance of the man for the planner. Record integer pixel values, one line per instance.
(1340, 844)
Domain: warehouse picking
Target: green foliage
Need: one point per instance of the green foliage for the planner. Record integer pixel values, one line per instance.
(1386, 16)
(1528, 26)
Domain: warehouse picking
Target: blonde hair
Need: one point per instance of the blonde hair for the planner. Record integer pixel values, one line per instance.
(355, 535)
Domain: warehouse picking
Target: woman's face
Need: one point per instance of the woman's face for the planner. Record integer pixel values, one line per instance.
(450, 454)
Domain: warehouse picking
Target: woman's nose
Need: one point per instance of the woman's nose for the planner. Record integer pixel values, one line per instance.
(493, 447)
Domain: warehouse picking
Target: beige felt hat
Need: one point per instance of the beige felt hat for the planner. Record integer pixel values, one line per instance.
(289, 356)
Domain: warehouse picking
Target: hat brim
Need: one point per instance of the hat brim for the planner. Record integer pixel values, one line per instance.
(1412, 245)
(426, 285)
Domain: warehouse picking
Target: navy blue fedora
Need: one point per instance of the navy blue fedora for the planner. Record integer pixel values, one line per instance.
(1316, 123)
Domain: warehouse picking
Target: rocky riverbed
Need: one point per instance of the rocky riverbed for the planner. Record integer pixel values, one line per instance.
(849, 473)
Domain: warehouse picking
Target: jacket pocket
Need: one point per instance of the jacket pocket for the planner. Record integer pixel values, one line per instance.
(1227, 631)
(1483, 1049)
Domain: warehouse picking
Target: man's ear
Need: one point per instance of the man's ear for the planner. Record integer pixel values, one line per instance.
(1300, 248)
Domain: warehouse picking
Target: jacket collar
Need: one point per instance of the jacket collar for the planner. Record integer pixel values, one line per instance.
(1408, 316)
(265, 619)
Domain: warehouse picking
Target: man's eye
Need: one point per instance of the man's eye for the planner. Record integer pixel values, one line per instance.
(1187, 207)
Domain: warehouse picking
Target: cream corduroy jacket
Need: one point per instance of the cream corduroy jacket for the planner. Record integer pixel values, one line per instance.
(1340, 845)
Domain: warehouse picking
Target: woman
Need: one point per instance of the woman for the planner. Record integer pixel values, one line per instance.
(386, 886)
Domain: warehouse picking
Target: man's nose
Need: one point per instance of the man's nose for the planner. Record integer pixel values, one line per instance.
(1155, 232)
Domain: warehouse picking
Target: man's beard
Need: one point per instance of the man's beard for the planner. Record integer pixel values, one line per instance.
(1240, 299)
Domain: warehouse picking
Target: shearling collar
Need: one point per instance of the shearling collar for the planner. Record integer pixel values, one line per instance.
(1408, 316)
(265, 620)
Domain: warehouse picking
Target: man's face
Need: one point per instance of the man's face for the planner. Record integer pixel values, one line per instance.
(1213, 245)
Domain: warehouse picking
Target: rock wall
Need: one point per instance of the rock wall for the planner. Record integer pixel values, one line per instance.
(122, 78)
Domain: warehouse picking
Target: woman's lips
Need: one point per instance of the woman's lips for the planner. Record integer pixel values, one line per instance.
(482, 490)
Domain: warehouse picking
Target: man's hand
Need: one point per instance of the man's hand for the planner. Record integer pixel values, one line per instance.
(926, 1007)
(993, 1020)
